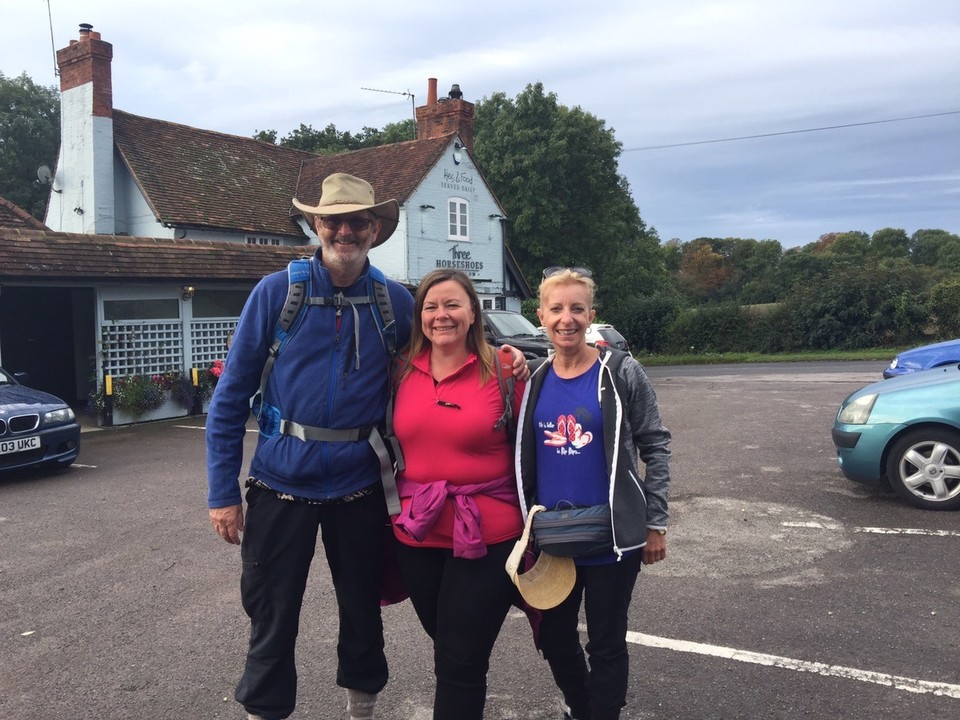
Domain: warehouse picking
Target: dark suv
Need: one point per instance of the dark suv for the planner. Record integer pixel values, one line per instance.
(512, 328)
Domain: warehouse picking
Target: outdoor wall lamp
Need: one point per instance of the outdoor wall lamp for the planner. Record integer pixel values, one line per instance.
(427, 207)
(188, 291)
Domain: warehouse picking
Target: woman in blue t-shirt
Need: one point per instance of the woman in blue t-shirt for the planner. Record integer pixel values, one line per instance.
(588, 414)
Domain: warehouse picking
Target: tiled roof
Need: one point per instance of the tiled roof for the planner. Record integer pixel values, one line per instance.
(208, 179)
(200, 178)
(14, 216)
(203, 178)
(394, 170)
(55, 256)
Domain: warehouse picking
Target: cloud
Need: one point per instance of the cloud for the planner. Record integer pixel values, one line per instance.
(657, 73)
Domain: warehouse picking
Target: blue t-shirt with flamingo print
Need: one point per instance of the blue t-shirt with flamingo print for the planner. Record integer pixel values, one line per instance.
(571, 466)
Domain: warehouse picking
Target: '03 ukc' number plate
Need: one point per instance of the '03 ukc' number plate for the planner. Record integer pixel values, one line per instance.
(19, 444)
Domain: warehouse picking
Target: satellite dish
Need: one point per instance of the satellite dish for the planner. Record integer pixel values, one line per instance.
(44, 175)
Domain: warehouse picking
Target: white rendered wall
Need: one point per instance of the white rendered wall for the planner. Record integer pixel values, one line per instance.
(85, 201)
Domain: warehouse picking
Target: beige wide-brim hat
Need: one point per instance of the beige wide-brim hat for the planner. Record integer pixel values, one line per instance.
(549, 581)
(342, 194)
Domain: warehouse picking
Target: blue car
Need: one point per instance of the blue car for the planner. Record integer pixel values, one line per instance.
(924, 357)
(907, 430)
(36, 428)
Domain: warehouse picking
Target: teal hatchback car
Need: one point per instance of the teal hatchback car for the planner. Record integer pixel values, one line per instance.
(907, 430)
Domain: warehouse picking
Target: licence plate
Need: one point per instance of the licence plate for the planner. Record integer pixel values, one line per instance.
(19, 444)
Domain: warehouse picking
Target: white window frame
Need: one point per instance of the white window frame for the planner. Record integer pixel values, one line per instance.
(458, 219)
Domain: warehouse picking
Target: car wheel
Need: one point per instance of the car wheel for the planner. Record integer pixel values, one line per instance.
(924, 468)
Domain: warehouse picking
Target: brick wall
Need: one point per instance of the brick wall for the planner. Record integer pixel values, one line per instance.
(87, 60)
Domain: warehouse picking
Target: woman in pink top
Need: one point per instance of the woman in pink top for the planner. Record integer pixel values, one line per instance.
(460, 514)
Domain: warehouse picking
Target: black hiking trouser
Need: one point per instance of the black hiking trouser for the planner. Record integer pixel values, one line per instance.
(278, 546)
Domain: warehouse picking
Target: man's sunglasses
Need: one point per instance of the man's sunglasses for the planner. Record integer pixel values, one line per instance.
(356, 223)
(557, 269)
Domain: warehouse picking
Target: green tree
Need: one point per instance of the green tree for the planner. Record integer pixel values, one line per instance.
(944, 309)
(397, 132)
(29, 138)
(801, 267)
(851, 244)
(555, 170)
(645, 321)
(925, 245)
(892, 243)
(948, 257)
(330, 141)
(711, 328)
(759, 262)
(860, 305)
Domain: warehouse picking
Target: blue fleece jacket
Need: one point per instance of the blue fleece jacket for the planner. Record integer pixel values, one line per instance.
(315, 381)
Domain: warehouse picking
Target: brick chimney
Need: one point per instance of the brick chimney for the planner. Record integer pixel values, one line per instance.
(84, 197)
(445, 115)
(87, 60)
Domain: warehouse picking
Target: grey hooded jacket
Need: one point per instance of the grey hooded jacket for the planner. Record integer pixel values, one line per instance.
(632, 429)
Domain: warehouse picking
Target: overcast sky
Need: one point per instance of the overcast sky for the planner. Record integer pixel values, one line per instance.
(684, 73)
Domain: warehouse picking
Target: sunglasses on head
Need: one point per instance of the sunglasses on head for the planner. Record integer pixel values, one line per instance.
(356, 223)
(557, 269)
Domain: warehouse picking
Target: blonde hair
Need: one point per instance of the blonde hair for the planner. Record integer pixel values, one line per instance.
(567, 277)
(476, 340)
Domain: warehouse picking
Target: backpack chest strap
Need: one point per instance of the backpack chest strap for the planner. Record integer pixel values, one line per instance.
(339, 301)
(319, 434)
(370, 433)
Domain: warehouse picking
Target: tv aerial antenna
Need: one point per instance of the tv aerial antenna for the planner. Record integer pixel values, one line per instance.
(53, 45)
(413, 107)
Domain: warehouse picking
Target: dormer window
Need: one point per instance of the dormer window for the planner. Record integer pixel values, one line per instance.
(262, 240)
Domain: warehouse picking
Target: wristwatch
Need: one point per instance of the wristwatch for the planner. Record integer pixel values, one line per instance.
(660, 531)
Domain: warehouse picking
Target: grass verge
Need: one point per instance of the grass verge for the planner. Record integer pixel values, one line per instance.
(715, 358)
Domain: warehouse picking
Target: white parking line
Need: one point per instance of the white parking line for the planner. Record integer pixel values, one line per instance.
(900, 683)
(812, 524)
(907, 531)
(815, 525)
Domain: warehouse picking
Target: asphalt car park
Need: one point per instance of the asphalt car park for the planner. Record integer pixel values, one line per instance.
(788, 590)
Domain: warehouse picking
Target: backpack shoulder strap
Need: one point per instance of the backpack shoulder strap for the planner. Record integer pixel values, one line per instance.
(507, 383)
(378, 295)
(397, 371)
(290, 318)
(615, 359)
(387, 320)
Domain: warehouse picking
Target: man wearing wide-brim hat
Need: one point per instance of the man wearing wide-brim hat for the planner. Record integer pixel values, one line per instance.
(317, 471)
(345, 196)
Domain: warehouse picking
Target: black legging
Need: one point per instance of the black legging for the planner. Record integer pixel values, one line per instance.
(461, 604)
(600, 693)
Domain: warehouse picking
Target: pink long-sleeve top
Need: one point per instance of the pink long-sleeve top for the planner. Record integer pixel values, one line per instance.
(448, 440)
